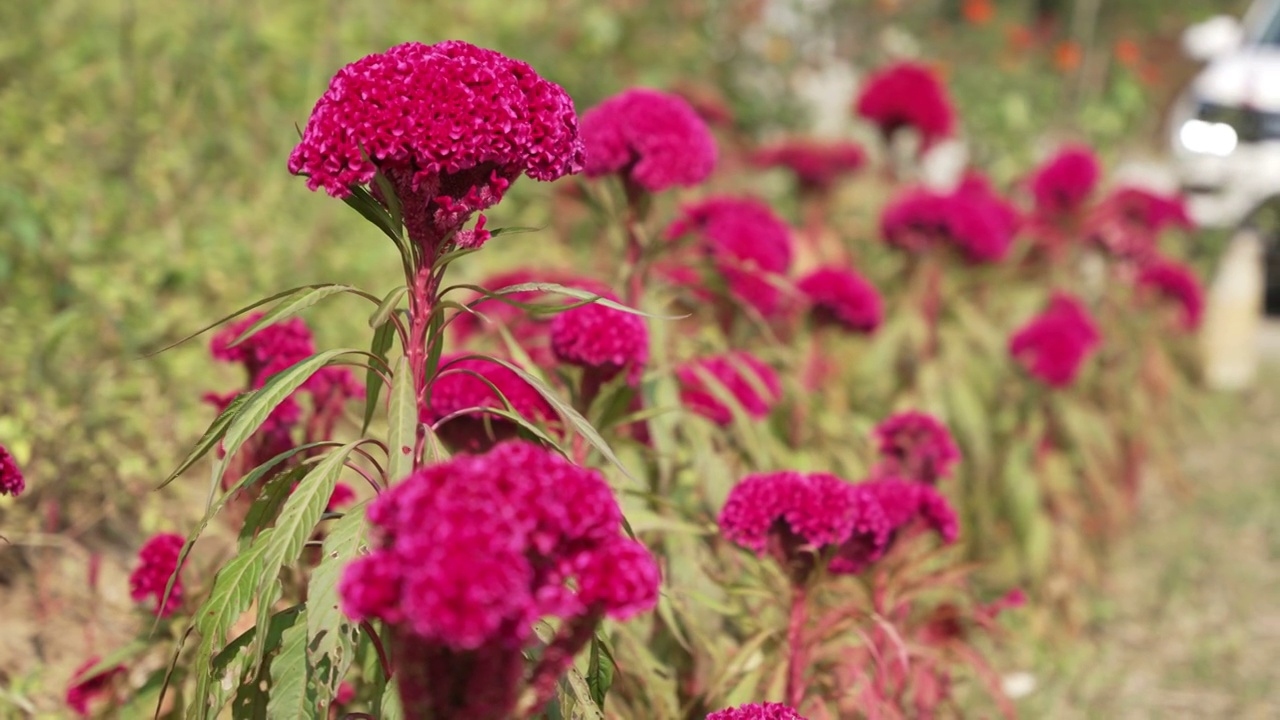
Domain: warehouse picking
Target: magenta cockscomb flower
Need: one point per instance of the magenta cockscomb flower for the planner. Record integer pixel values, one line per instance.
(601, 339)
(915, 446)
(1053, 346)
(84, 691)
(450, 125)
(157, 562)
(1128, 222)
(817, 165)
(651, 138)
(840, 296)
(341, 497)
(462, 391)
(972, 219)
(907, 95)
(757, 711)
(1063, 183)
(1175, 281)
(11, 480)
(744, 377)
(266, 352)
(748, 243)
(900, 503)
(468, 554)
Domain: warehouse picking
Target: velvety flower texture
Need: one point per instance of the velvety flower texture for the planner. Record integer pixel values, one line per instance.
(817, 165)
(1063, 182)
(450, 125)
(746, 378)
(1054, 344)
(86, 690)
(973, 219)
(901, 503)
(157, 562)
(757, 711)
(747, 243)
(468, 554)
(1177, 282)
(11, 480)
(907, 95)
(843, 297)
(602, 339)
(915, 446)
(652, 138)
(464, 383)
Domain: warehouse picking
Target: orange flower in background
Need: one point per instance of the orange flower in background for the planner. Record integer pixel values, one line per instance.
(978, 12)
(1128, 53)
(1019, 37)
(1067, 56)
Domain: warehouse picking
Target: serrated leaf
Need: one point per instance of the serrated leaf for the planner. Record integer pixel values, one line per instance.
(330, 633)
(267, 505)
(292, 695)
(402, 423)
(216, 431)
(290, 307)
(383, 339)
(228, 667)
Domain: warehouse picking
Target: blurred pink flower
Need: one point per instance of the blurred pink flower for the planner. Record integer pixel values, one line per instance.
(973, 219)
(751, 382)
(1054, 345)
(842, 297)
(85, 690)
(1128, 222)
(11, 480)
(450, 125)
(601, 338)
(1177, 282)
(915, 446)
(901, 503)
(654, 139)
(1062, 183)
(817, 165)
(342, 496)
(157, 562)
(471, 383)
(905, 95)
(756, 711)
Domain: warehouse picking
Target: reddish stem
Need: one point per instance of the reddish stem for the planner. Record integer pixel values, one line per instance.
(796, 646)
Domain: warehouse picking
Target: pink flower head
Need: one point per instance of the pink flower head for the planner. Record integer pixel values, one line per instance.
(1063, 182)
(601, 338)
(1054, 344)
(469, 553)
(268, 351)
(907, 95)
(157, 562)
(915, 446)
(843, 297)
(757, 711)
(450, 125)
(1128, 222)
(85, 690)
(900, 503)
(11, 480)
(973, 219)
(472, 383)
(747, 243)
(817, 165)
(747, 379)
(1177, 282)
(342, 496)
(654, 139)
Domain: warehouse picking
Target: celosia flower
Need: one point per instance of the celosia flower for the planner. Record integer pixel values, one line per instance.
(900, 502)
(468, 383)
(11, 480)
(342, 496)
(747, 243)
(602, 339)
(468, 554)
(1128, 222)
(973, 219)
(1054, 345)
(747, 379)
(653, 139)
(1176, 282)
(450, 125)
(1063, 182)
(842, 297)
(346, 693)
(85, 690)
(907, 95)
(757, 711)
(816, 165)
(157, 562)
(915, 446)
(268, 351)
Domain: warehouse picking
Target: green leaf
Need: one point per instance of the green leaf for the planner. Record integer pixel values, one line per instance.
(390, 707)
(267, 505)
(291, 307)
(387, 307)
(217, 430)
(589, 710)
(599, 670)
(228, 668)
(514, 230)
(373, 211)
(402, 423)
(383, 339)
(292, 695)
(394, 211)
(555, 289)
(331, 634)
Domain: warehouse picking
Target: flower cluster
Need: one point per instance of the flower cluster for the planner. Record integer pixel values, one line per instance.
(1128, 222)
(915, 446)
(907, 95)
(11, 480)
(1054, 345)
(749, 246)
(756, 711)
(817, 166)
(84, 690)
(842, 297)
(602, 339)
(465, 386)
(901, 503)
(752, 384)
(449, 125)
(1063, 183)
(972, 218)
(468, 554)
(651, 138)
(1177, 282)
(157, 562)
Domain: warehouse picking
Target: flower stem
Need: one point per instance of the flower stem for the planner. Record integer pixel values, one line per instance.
(795, 646)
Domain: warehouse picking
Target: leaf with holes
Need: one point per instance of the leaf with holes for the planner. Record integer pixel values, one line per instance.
(330, 633)
(292, 694)
(402, 423)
